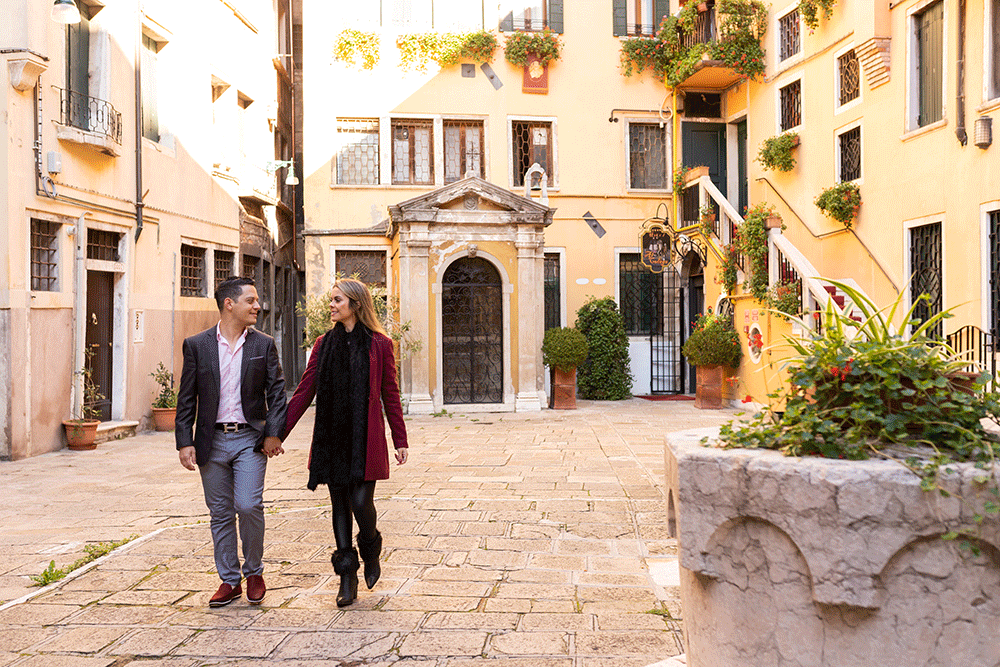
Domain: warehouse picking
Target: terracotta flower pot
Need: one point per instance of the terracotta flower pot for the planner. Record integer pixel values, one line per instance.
(708, 391)
(164, 418)
(773, 222)
(81, 433)
(564, 390)
(697, 172)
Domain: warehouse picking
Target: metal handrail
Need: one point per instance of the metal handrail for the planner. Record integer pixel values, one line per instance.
(89, 114)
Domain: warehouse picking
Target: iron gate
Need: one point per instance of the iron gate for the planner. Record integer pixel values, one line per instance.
(472, 332)
(666, 363)
(925, 267)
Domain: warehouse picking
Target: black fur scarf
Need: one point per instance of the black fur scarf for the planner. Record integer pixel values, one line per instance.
(340, 435)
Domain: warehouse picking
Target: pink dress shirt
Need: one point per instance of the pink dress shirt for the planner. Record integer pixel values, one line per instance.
(230, 375)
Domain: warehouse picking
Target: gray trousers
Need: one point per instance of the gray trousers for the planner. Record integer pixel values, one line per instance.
(233, 480)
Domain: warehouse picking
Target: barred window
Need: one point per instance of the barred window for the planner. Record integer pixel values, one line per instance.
(44, 256)
(250, 264)
(849, 72)
(192, 271)
(647, 156)
(791, 105)
(640, 289)
(850, 154)
(223, 266)
(357, 158)
(532, 142)
(463, 149)
(367, 265)
(412, 152)
(789, 39)
(103, 245)
(264, 291)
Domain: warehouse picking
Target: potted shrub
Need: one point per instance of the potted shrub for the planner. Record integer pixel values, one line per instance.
(165, 405)
(605, 375)
(841, 202)
(82, 431)
(776, 152)
(872, 495)
(563, 349)
(713, 346)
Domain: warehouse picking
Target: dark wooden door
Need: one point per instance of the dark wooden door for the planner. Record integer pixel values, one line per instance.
(705, 144)
(100, 332)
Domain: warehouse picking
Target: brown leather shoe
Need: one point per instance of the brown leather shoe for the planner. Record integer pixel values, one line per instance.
(255, 589)
(225, 595)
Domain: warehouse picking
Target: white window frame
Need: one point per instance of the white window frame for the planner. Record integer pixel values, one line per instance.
(837, 106)
(783, 83)
(667, 148)
(908, 259)
(797, 56)
(912, 83)
(838, 133)
(990, 97)
(554, 128)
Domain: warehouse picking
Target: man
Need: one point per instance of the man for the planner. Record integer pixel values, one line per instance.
(232, 381)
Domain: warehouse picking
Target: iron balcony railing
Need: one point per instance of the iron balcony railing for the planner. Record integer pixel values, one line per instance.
(705, 29)
(90, 114)
(977, 347)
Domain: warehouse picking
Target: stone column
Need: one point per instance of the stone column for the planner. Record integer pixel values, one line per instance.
(414, 307)
(530, 315)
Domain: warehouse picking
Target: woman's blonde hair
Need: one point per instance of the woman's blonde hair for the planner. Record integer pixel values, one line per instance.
(361, 303)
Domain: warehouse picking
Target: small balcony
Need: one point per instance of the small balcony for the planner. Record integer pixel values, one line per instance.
(90, 122)
(730, 44)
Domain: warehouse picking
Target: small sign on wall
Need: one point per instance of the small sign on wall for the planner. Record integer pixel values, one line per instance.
(138, 326)
(536, 76)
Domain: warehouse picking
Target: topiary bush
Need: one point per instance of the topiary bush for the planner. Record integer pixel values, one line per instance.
(564, 349)
(605, 375)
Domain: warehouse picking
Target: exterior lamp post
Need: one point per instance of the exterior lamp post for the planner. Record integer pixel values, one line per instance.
(65, 11)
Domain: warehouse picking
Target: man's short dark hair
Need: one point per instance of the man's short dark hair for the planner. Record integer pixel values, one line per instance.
(231, 288)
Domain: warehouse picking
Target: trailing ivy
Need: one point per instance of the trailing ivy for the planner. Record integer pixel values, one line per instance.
(809, 11)
(416, 51)
(354, 45)
(751, 242)
(605, 375)
(742, 23)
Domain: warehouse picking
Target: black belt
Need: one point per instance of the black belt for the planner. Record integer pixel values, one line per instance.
(230, 427)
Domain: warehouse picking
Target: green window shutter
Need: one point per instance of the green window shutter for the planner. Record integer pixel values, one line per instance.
(661, 8)
(507, 23)
(930, 37)
(619, 17)
(556, 15)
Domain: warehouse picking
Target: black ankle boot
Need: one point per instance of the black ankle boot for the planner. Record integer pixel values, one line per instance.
(370, 553)
(345, 563)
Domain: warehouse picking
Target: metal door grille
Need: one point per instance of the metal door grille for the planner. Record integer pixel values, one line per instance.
(788, 29)
(850, 154)
(472, 333)
(791, 105)
(850, 76)
(102, 245)
(44, 260)
(553, 314)
(666, 363)
(925, 266)
(995, 274)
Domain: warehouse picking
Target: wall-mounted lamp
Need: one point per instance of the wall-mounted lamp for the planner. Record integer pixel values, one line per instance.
(275, 165)
(65, 11)
(982, 132)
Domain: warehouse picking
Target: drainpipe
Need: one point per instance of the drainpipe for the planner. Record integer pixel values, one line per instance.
(963, 138)
(79, 311)
(138, 122)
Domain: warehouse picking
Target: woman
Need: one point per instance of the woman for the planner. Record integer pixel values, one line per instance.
(352, 374)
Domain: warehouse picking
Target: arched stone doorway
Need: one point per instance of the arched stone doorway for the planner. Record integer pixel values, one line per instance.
(472, 332)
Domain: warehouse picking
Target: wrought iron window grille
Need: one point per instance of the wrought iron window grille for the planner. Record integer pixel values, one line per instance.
(44, 256)
(789, 37)
(850, 77)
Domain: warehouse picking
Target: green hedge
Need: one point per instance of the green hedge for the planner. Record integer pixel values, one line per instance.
(605, 375)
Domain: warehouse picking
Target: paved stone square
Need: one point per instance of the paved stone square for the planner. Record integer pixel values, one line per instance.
(515, 539)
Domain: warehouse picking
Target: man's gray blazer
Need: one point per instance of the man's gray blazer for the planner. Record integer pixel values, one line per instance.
(263, 390)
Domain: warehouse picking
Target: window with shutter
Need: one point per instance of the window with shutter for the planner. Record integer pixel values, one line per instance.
(929, 27)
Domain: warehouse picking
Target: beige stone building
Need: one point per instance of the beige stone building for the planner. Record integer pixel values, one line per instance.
(145, 151)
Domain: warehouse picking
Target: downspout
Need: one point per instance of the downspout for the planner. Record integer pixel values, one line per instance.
(138, 122)
(963, 138)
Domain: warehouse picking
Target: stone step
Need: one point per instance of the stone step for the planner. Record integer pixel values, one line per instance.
(115, 430)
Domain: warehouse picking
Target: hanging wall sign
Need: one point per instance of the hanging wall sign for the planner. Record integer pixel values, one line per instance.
(655, 243)
(536, 76)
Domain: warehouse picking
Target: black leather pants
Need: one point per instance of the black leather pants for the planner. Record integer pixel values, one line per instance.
(359, 499)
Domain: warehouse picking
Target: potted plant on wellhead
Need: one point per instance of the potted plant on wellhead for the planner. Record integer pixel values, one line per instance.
(81, 431)
(713, 346)
(165, 405)
(563, 349)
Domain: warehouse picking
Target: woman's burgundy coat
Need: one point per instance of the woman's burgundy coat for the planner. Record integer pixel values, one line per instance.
(383, 391)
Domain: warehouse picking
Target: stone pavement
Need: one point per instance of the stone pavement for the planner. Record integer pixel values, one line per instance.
(510, 539)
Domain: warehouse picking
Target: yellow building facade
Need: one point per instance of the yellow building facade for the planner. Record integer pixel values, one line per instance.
(143, 147)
